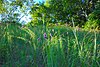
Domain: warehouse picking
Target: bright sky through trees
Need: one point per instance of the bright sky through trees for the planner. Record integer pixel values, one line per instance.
(27, 19)
(39, 0)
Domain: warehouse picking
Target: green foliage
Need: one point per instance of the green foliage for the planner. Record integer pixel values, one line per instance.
(40, 12)
(92, 24)
(55, 45)
(54, 11)
(94, 18)
(3, 53)
(9, 15)
(2, 9)
(63, 46)
(14, 10)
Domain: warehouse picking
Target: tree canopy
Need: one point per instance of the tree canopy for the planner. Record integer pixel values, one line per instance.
(62, 11)
(84, 12)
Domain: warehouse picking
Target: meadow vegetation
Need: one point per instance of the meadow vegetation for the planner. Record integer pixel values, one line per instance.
(52, 46)
(53, 33)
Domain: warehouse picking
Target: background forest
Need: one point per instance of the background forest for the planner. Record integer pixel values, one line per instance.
(52, 33)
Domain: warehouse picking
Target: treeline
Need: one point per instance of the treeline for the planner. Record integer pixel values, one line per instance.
(85, 13)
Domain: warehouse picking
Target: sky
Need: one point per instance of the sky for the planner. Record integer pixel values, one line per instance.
(39, 0)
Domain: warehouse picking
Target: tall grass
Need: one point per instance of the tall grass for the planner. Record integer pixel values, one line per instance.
(62, 47)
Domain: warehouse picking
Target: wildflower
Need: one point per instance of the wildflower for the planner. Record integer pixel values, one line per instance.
(45, 35)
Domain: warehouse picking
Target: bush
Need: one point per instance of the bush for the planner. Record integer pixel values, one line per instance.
(92, 24)
(93, 20)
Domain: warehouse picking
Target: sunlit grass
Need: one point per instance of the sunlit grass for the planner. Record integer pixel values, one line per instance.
(62, 47)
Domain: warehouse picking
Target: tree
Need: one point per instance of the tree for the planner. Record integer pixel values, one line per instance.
(1, 7)
(55, 11)
(14, 10)
(94, 17)
(64, 10)
(40, 13)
